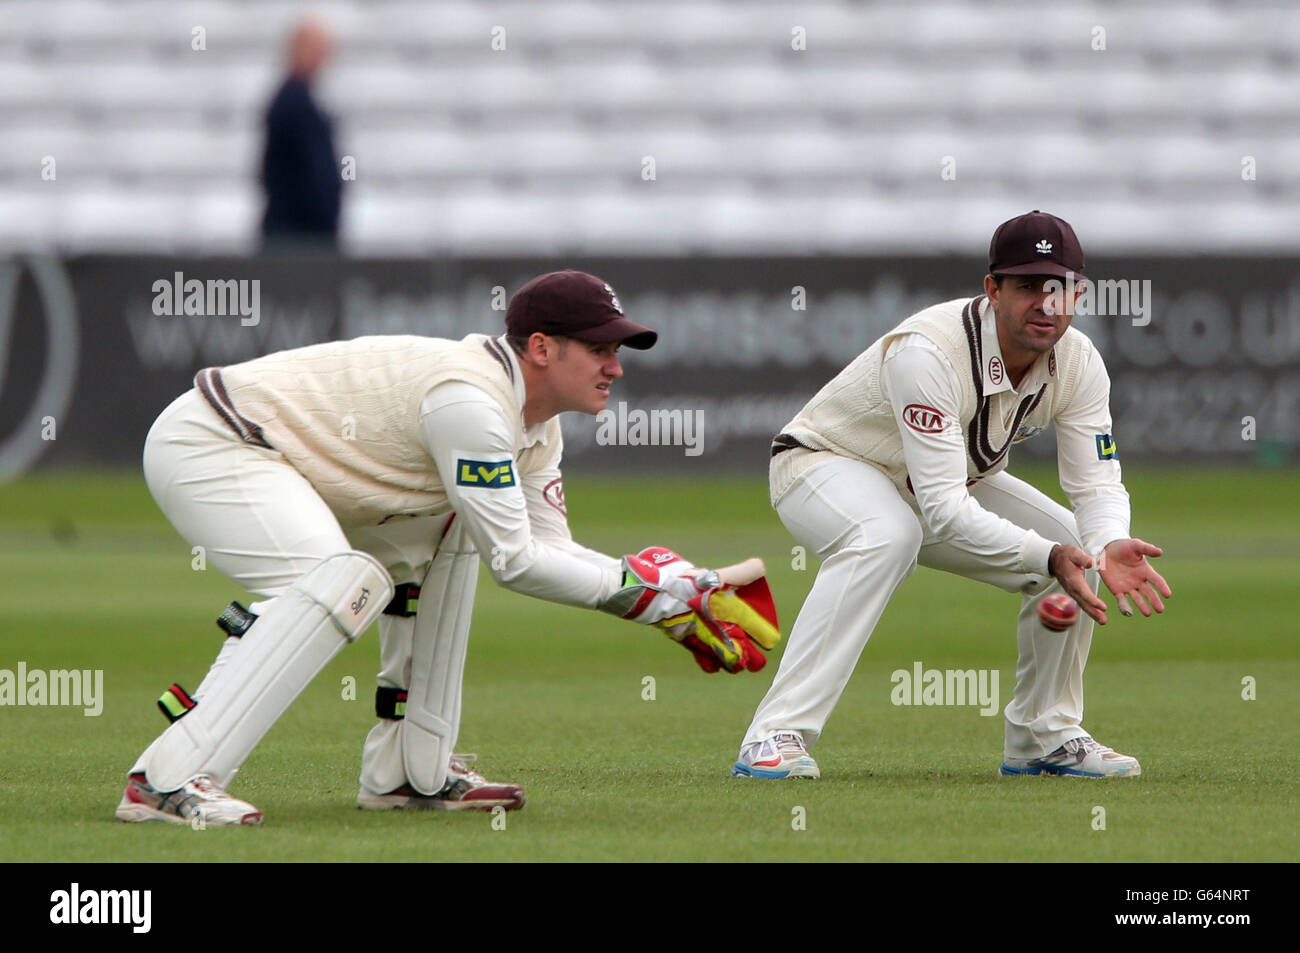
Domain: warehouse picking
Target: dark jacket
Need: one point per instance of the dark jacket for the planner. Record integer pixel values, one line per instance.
(299, 168)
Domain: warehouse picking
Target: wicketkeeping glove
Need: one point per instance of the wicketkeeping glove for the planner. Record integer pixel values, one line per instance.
(726, 618)
(655, 587)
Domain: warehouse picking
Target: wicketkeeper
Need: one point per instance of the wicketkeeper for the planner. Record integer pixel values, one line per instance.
(363, 480)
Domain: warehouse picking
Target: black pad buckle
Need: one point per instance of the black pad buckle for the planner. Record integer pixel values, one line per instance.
(390, 703)
(406, 600)
(235, 620)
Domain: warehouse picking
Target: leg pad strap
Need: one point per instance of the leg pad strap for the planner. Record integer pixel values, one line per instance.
(175, 702)
(390, 703)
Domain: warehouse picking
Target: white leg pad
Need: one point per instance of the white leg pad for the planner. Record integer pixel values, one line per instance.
(210, 680)
(438, 661)
(295, 637)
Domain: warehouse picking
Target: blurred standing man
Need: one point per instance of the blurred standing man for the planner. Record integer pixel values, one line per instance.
(300, 170)
(900, 459)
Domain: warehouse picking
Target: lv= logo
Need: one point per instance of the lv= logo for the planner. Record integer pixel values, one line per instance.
(485, 473)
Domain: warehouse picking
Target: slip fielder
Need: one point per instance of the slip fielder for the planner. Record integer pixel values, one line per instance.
(363, 480)
(900, 460)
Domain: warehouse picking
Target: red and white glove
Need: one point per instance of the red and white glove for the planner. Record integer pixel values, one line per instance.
(657, 584)
(724, 624)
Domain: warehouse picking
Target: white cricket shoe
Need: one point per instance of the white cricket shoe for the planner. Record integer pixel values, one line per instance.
(1078, 758)
(466, 790)
(782, 755)
(199, 798)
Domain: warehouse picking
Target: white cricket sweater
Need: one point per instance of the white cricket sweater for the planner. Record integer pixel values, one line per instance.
(949, 389)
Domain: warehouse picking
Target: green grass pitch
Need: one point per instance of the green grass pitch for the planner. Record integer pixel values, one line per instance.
(92, 577)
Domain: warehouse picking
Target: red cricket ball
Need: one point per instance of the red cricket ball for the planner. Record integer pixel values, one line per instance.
(1058, 612)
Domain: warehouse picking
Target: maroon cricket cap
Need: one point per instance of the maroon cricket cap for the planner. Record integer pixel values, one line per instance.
(1035, 243)
(577, 305)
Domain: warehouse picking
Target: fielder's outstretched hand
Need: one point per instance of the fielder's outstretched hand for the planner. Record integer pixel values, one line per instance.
(1067, 564)
(1126, 573)
(1124, 569)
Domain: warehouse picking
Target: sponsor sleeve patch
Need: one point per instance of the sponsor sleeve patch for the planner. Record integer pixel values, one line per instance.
(923, 419)
(482, 473)
(1106, 448)
(553, 493)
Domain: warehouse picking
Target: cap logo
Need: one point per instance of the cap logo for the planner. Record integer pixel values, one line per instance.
(1044, 247)
(613, 298)
(553, 493)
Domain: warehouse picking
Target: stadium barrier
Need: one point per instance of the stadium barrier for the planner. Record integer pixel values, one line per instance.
(1204, 353)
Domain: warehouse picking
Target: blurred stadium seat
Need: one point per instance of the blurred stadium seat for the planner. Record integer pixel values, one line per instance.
(757, 147)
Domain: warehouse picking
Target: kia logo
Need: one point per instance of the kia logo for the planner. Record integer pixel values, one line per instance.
(923, 419)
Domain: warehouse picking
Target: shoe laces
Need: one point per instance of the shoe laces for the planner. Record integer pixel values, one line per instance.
(789, 743)
(460, 764)
(1082, 747)
(203, 784)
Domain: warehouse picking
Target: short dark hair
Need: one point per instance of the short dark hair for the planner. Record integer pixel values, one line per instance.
(519, 342)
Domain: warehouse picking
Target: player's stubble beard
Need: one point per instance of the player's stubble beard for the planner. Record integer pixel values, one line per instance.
(1030, 333)
(1020, 341)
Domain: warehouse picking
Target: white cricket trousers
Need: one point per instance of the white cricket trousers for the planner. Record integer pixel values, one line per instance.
(262, 524)
(869, 540)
